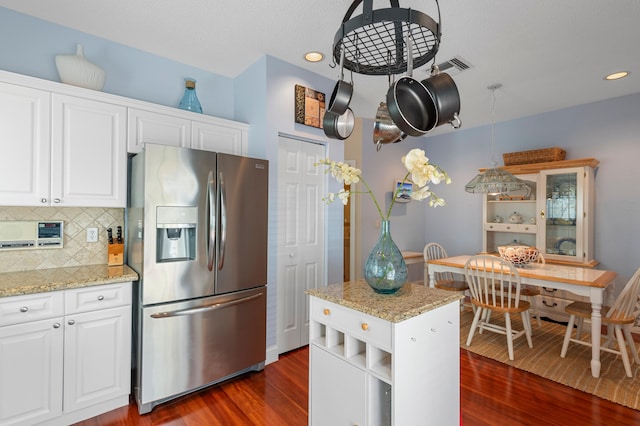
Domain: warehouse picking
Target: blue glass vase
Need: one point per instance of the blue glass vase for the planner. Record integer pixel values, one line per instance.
(385, 270)
(190, 100)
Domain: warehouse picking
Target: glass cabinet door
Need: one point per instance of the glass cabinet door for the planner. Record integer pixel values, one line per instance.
(562, 217)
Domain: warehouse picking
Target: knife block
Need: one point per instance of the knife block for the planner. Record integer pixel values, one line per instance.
(115, 254)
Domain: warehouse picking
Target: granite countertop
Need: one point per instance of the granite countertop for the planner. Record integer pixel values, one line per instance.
(411, 300)
(43, 280)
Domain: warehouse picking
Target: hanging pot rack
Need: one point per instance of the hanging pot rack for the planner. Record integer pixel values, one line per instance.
(374, 42)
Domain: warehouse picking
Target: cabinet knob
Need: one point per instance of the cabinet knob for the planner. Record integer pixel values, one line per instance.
(71, 322)
(56, 200)
(526, 228)
(490, 226)
(24, 309)
(508, 227)
(100, 297)
(56, 325)
(43, 200)
(365, 326)
(326, 311)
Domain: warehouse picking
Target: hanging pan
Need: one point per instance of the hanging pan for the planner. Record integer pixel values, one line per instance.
(338, 126)
(410, 104)
(384, 129)
(446, 95)
(342, 92)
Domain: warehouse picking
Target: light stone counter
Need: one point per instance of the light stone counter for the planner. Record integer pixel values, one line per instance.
(411, 300)
(43, 280)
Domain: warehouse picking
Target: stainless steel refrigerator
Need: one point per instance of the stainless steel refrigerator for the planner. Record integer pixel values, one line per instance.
(197, 236)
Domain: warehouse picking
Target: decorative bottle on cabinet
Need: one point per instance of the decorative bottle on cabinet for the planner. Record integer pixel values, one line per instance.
(190, 100)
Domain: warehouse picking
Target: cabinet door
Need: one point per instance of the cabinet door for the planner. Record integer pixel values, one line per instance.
(31, 371)
(97, 354)
(152, 127)
(89, 158)
(218, 138)
(25, 117)
(563, 195)
(337, 391)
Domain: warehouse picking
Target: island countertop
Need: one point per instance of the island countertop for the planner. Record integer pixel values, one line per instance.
(411, 300)
(44, 280)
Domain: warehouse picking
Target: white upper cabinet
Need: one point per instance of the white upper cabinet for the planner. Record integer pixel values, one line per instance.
(25, 134)
(88, 153)
(61, 150)
(153, 127)
(171, 126)
(219, 138)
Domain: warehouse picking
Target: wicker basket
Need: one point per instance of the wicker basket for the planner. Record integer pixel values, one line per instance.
(533, 156)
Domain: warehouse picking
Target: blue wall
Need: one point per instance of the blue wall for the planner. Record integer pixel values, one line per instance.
(29, 46)
(607, 130)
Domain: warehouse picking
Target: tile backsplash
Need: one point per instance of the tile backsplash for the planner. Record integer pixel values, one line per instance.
(76, 251)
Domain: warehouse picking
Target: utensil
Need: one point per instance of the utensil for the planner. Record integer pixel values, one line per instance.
(446, 96)
(384, 129)
(119, 234)
(110, 235)
(342, 92)
(410, 104)
(338, 126)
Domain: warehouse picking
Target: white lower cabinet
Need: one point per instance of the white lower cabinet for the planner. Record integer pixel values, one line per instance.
(365, 370)
(72, 364)
(31, 372)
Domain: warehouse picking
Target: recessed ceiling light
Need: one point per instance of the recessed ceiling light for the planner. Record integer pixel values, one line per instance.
(313, 56)
(617, 75)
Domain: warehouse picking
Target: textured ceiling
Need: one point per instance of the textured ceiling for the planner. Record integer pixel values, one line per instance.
(546, 54)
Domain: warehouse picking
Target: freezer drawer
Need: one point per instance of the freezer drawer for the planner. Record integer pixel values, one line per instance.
(188, 345)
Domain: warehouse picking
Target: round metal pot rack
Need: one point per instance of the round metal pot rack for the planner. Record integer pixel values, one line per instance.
(374, 42)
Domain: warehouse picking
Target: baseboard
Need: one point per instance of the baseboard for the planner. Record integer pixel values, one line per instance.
(272, 354)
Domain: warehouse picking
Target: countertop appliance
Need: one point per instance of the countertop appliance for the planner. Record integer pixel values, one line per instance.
(197, 236)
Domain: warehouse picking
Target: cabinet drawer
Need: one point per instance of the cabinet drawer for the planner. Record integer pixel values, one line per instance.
(32, 307)
(97, 297)
(353, 323)
(562, 294)
(510, 227)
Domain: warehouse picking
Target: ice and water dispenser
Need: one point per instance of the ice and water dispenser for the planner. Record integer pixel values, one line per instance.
(176, 229)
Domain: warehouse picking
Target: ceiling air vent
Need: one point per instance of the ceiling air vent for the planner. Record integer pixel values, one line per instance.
(454, 66)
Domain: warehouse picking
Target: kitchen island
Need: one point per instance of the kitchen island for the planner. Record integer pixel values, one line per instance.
(383, 359)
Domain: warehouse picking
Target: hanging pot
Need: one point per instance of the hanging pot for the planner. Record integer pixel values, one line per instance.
(384, 129)
(410, 104)
(446, 96)
(342, 91)
(338, 126)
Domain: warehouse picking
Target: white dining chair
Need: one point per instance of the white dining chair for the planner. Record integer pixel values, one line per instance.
(495, 287)
(444, 280)
(621, 316)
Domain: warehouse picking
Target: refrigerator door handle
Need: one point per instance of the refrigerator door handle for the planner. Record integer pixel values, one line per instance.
(211, 216)
(223, 221)
(206, 308)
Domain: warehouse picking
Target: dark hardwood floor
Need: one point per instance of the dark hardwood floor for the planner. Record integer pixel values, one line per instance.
(491, 393)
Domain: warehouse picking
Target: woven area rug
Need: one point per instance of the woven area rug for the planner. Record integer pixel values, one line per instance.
(544, 360)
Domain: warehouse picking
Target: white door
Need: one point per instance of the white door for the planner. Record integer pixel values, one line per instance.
(301, 259)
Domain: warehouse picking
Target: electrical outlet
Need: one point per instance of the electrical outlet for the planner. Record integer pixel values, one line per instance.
(92, 235)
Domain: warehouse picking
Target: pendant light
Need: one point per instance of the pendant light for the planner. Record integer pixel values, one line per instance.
(494, 181)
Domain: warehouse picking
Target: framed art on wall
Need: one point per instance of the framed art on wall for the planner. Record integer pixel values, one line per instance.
(310, 106)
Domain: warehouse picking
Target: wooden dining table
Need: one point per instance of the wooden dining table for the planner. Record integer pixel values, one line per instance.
(581, 281)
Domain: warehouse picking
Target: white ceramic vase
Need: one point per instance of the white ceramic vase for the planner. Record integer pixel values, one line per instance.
(78, 71)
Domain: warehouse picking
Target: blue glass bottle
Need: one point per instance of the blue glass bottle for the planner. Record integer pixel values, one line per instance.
(385, 269)
(190, 100)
